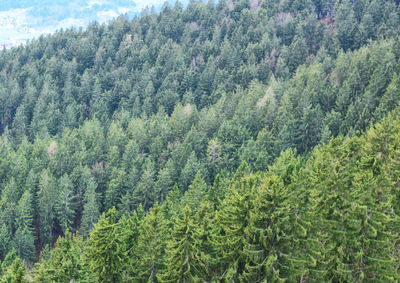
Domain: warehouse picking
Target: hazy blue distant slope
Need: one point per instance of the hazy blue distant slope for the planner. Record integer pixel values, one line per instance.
(21, 20)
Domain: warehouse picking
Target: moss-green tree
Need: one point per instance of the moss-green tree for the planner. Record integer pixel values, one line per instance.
(104, 252)
(183, 263)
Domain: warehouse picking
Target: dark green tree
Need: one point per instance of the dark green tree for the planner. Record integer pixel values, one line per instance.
(91, 211)
(65, 205)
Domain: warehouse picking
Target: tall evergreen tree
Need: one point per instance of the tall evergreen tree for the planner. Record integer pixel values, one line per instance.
(149, 255)
(65, 263)
(91, 211)
(229, 226)
(182, 263)
(267, 236)
(104, 252)
(65, 205)
(46, 202)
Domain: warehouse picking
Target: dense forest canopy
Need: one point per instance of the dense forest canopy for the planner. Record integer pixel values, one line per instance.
(230, 141)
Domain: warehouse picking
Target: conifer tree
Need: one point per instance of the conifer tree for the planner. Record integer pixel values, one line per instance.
(165, 181)
(229, 226)
(9, 198)
(65, 206)
(46, 203)
(172, 205)
(182, 264)
(24, 237)
(91, 211)
(65, 259)
(104, 252)
(149, 255)
(9, 259)
(189, 171)
(196, 192)
(65, 263)
(24, 212)
(267, 236)
(145, 190)
(217, 191)
(20, 124)
(115, 188)
(207, 255)
(375, 209)
(5, 239)
(15, 272)
(24, 243)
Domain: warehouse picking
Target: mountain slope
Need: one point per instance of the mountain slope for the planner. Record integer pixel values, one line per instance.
(169, 108)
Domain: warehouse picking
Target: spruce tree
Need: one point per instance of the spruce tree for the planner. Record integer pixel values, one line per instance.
(24, 243)
(267, 236)
(149, 255)
(145, 191)
(91, 211)
(65, 205)
(104, 252)
(115, 188)
(46, 203)
(24, 237)
(65, 263)
(229, 226)
(15, 272)
(182, 264)
(196, 192)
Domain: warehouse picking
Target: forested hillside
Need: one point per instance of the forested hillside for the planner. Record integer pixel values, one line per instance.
(333, 217)
(220, 142)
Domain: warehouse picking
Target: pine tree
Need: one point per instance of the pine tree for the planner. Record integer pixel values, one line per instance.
(128, 231)
(196, 192)
(216, 192)
(24, 238)
(165, 181)
(189, 171)
(20, 124)
(91, 212)
(5, 239)
(65, 205)
(206, 255)
(24, 211)
(46, 203)
(378, 218)
(172, 205)
(182, 264)
(231, 221)
(149, 256)
(8, 259)
(115, 188)
(65, 263)
(15, 272)
(9, 198)
(24, 243)
(104, 250)
(145, 193)
(267, 236)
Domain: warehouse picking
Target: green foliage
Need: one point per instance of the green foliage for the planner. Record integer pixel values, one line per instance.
(183, 263)
(91, 211)
(104, 251)
(65, 262)
(64, 206)
(46, 201)
(229, 226)
(15, 272)
(268, 235)
(149, 255)
(229, 136)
